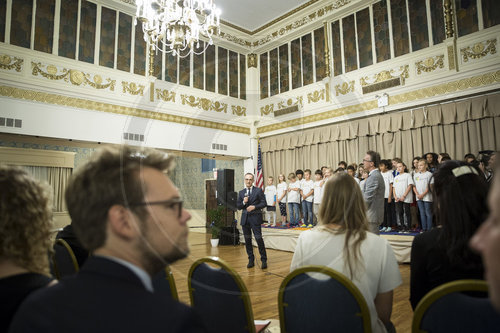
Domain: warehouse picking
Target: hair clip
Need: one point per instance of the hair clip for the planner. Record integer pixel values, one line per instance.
(464, 170)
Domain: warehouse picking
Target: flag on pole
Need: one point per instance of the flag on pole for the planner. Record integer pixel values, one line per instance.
(259, 178)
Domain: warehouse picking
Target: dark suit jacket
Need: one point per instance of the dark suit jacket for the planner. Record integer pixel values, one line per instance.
(69, 236)
(256, 199)
(103, 296)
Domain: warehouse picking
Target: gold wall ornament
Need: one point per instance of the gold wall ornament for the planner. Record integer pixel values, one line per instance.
(316, 96)
(7, 62)
(239, 110)
(290, 102)
(219, 107)
(430, 64)
(252, 60)
(50, 71)
(451, 57)
(203, 103)
(327, 49)
(344, 88)
(386, 75)
(448, 18)
(267, 109)
(479, 50)
(165, 95)
(416, 95)
(55, 99)
(133, 88)
(234, 39)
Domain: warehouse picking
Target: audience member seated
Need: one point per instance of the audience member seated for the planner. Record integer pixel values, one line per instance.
(129, 214)
(442, 254)
(69, 236)
(25, 220)
(343, 243)
(487, 241)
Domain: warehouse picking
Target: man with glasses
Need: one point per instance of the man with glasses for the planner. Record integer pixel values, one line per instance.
(251, 200)
(127, 212)
(374, 191)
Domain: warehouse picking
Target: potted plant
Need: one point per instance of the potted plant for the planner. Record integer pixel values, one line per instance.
(216, 216)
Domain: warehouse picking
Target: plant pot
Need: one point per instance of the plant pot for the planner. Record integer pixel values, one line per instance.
(214, 242)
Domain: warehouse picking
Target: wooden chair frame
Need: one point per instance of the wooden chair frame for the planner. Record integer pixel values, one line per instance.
(71, 254)
(365, 312)
(236, 277)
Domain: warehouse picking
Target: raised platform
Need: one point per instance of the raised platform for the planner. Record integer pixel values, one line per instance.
(286, 239)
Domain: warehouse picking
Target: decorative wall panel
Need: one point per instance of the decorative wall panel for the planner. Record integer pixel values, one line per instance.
(233, 74)
(466, 16)
(350, 55)
(67, 28)
(437, 19)
(364, 38)
(3, 16)
(296, 63)
(184, 70)
(381, 27)
(307, 60)
(210, 68)
(336, 49)
(222, 70)
(273, 72)
(124, 42)
(198, 64)
(284, 77)
(107, 40)
(86, 42)
(140, 51)
(264, 84)
(243, 77)
(400, 27)
(418, 24)
(20, 28)
(319, 53)
(44, 25)
(491, 13)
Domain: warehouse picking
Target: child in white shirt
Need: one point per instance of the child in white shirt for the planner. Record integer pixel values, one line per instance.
(403, 196)
(423, 180)
(270, 194)
(281, 197)
(385, 170)
(306, 194)
(293, 199)
(318, 191)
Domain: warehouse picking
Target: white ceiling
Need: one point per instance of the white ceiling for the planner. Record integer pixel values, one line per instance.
(252, 14)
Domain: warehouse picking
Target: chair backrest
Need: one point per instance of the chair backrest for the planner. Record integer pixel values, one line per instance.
(447, 309)
(326, 302)
(220, 296)
(164, 283)
(63, 259)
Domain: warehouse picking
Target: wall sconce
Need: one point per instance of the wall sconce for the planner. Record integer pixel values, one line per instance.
(382, 100)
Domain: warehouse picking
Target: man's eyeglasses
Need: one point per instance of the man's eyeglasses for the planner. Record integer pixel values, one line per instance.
(365, 160)
(248, 179)
(170, 204)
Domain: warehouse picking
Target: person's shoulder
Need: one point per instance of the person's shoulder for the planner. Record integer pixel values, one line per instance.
(375, 240)
(427, 238)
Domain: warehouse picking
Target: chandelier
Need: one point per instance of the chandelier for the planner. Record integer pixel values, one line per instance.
(176, 25)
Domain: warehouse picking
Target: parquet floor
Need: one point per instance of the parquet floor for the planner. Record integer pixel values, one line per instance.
(263, 285)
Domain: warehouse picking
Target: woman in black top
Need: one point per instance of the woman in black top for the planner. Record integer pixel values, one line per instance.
(443, 254)
(25, 221)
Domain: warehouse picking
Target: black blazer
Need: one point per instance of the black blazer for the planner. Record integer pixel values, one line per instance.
(103, 296)
(256, 199)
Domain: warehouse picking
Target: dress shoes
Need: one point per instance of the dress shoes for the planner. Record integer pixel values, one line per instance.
(250, 264)
(264, 264)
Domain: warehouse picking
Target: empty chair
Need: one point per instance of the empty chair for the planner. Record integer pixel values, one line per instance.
(164, 283)
(326, 302)
(447, 309)
(220, 296)
(63, 260)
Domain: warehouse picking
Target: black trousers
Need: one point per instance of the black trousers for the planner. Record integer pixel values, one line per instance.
(257, 232)
(388, 208)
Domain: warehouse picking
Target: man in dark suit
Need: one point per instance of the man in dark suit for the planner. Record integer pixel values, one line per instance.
(374, 191)
(251, 200)
(129, 214)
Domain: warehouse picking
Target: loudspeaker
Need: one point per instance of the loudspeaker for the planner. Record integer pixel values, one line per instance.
(225, 188)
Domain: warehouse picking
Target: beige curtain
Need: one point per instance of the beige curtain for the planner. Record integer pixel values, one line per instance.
(57, 178)
(457, 128)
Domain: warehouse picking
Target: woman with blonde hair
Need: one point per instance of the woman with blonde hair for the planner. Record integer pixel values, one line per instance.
(25, 222)
(343, 243)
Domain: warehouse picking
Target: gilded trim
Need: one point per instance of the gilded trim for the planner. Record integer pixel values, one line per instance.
(133, 88)
(265, 110)
(316, 96)
(451, 57)
(479, 50)
(437, 90)
(239, 110)
(290, 102)
(252, 60)
(344, 88)
(7, 62)
(204, 103)
(165, 95)
(37, 96)
(448, 18)
(430, 64)
(386, 75)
